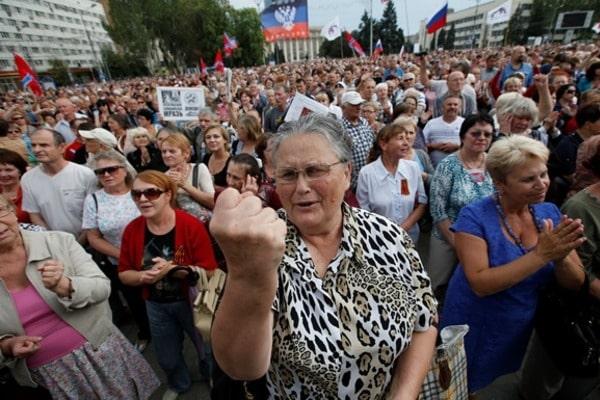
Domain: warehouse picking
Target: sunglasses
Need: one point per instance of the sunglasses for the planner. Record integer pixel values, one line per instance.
(571, 91)
(150, 194)
(110, 170)
(478, 134)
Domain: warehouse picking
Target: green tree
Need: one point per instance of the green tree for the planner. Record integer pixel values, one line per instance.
(516, 31)
(248, 32)
(332, 48)
(450, 35)
(363, 34)
(59, 70)
(122, 65)
(441, 39)
(391, 36)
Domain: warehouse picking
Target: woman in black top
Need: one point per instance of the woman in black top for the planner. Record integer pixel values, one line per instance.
(147, 155)
(216, 140)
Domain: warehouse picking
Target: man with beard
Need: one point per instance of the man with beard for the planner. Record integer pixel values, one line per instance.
(517, 64)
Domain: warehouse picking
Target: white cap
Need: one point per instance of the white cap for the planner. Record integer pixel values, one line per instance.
(102, 135)
(352, 98)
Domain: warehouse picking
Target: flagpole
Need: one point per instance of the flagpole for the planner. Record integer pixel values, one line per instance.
(371, 33)
(341, 46)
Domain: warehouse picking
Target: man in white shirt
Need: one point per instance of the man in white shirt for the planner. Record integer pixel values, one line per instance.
(54, 191)
(441, 133)
(67, 109)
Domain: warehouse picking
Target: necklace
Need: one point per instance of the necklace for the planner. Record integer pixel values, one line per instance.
(479, 163)
(511, 233)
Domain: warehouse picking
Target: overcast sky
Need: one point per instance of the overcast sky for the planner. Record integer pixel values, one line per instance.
(321, 12)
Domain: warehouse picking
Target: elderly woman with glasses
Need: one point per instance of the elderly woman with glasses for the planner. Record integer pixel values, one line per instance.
(162, 238)
(336, 303)
(509, 244)
(55, 327)
(104, 229)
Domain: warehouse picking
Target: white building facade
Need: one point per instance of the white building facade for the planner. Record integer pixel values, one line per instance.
(299, 49)
(470, 28)
(42, 30)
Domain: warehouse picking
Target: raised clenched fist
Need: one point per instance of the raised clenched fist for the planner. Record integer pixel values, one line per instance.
(252, 237)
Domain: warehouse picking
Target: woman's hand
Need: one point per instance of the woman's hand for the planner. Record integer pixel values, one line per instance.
(158, 271)
(556, 243)
(250, 185)
(20, 346)
(177, 176)
(241, 218)
(53, 278)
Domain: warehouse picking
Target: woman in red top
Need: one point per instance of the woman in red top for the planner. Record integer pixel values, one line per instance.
(154, 243)
(12, 168)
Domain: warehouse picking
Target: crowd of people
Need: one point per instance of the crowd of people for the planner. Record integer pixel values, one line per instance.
(441, 189)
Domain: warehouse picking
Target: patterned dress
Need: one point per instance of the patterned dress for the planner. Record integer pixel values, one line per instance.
(338, 337)
(452, 188)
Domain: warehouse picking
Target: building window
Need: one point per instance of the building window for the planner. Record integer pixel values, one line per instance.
(4, 63)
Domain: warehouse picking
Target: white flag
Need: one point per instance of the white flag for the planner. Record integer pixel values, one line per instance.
(332, 30)
(596, 27)
(499, 14)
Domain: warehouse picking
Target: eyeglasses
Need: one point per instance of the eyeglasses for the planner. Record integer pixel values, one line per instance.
(310, 172)
(150, 194)
(408, 79)
(16, 118)
(571, 91)
(478, 134)
(110, 170)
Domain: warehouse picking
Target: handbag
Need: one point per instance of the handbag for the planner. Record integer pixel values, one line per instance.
(568, 325)
(208, 293)
(447, 375)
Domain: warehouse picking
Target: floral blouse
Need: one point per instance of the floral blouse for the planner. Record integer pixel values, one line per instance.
(453, 187)
(339, 336)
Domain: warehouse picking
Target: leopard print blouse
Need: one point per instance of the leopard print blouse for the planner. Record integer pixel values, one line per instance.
(338, 337)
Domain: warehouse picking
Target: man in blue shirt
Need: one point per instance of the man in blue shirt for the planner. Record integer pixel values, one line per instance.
(517, 64)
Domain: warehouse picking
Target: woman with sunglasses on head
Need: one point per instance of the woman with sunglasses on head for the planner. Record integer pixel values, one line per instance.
(162, 238)
(459, 179)
(105, 228)
(566, 104)
(55, 327)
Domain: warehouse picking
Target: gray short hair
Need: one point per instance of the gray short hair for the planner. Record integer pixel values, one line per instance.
(325, 126)
(113, 155)
(511, 152)
(523, 106)
(207, 111)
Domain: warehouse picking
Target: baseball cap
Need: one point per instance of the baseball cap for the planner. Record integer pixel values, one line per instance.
(102, 135)
(353, 98)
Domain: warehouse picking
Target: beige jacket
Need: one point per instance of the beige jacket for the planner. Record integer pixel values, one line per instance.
(87, 310)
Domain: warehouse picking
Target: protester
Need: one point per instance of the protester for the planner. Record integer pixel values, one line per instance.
(442, 133)
(195, 193)
(162, 238)
(104, 229)
(250, 332)
(56, 331)
(146, 155)
(12, 168)
(459, 179)
(54, 191)
(509, 245)
(217, 158)
(391, 185)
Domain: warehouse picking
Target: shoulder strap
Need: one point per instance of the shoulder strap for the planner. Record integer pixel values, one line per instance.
(195, 176)
(95, 201)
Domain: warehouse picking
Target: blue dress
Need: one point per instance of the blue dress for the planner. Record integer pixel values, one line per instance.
(500, 324)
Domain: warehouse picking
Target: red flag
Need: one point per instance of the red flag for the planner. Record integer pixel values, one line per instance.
(377, 51)
(219, 66)
(229, 44)
(203, 70)
(353, 43)
(28, 76)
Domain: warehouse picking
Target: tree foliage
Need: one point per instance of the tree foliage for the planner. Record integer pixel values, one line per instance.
(441, 39)
(122, 65)
(450, 36)
(182, 31)
(385, 29)
(59, 71)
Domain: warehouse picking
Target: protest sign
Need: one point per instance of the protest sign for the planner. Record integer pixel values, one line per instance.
(180, 104)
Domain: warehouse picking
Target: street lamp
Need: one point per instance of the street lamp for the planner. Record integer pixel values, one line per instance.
(87, 33)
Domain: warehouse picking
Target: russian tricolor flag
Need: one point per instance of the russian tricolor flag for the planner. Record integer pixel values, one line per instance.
(438, 20)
